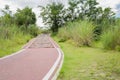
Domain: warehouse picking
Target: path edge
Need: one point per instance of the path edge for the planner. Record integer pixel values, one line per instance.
(13, 54)
(60, 66)
(60, 63)
(23, 48)
(53, 73)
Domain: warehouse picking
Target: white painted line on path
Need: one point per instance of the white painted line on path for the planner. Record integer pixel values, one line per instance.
(13, 54)
(48, 75)
(18, 52)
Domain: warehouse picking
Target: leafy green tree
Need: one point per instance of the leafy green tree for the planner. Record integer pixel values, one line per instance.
(82, 9)
(25, 17)
(6, 10)
(88, 9)
(55, 14)
(106, 20)
(72, 9)
(52, 15)
(7, 18)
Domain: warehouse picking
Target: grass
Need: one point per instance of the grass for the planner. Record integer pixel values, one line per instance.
(9, 46)
(111, 38)
(85, 63)
(81, 32)
(12, 39)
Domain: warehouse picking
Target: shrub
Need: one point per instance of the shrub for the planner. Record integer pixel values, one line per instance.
(81, 32)
(33, 30)
(11, 39)
(8, 32)
(63, 34)
(111, 38)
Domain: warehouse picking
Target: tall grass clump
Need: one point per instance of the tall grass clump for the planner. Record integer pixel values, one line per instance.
(64, 33)
(12, 38)
(81, 32)
(33, 30)
(111, 38)
(8, 32)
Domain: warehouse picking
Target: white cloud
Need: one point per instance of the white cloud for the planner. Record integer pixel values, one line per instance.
(110, 3)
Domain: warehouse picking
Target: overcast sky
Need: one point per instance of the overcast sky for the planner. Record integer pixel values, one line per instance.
(14, 4)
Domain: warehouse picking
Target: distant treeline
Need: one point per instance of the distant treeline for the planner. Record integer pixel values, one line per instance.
(23, 19)
(84, 22)
(56, 14)
(16, 29)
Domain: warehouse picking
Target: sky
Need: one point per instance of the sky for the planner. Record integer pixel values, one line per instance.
(14, 4)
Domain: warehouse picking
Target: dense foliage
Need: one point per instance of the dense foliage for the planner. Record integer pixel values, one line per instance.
(81, 32)
(111, 38)
(16, 29)
(56, 14)
(25, 17)
(52, 15)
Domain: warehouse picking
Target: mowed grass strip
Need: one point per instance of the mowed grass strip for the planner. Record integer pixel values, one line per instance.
(85, 63)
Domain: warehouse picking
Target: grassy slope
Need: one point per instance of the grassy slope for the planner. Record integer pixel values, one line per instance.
(8, 47)
(89, 63)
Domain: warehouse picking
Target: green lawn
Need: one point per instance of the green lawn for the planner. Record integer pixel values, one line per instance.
(85, 63)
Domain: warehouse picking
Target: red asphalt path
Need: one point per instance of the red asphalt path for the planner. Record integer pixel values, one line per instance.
(31, 63)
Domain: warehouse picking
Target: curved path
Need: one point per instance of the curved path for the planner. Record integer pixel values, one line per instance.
(40, 59)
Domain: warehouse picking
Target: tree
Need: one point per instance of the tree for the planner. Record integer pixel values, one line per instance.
(72, 9)
(7, 18)
(52, 15)
(56, 15)
(106, 20)
(25, 17)
(6, 10)
(88, 9)
(82, 9)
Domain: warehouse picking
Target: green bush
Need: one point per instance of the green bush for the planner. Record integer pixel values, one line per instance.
(63, 34)
(111, 38)
(81, 32)
(33, 30)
